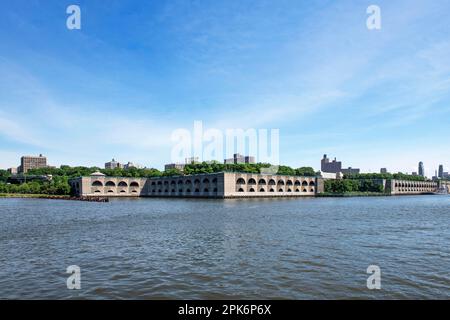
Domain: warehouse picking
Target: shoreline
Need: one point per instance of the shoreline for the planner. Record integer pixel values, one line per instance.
(106, 199)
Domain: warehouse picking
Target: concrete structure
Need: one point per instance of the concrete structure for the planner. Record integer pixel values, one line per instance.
(131, 165)
(405, 187)
(335, 166)
(350, 170)
(441, 171)
(177, 166)
(331, 167)
(13, 170)
(214, 185)
(330, 176)
(383, 170)
(113, 164)
(32, 162)
(238, 158)
(421, 169)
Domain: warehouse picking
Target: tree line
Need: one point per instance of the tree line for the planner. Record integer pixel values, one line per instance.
(352, 185)
(59, 184)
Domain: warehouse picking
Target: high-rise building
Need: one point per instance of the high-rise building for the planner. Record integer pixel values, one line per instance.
(238, 158)
(177, 166)
(421, 169)
(332, 167)
(441, 171)
(32, 162)
(113, 164)
(383, 170)
(12, 170)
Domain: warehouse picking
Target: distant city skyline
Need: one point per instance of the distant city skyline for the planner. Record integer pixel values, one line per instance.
(137, 71)
(325, 165)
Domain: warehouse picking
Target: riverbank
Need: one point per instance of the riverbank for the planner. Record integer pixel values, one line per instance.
(353, 194)
(53, 197)
(22, 195)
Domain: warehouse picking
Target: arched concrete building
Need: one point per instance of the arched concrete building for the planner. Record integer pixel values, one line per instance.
(399, 187)
(214, 185)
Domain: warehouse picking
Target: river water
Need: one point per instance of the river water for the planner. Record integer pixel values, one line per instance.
(315, 248)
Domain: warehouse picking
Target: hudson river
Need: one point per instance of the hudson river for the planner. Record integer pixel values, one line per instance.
(215, 249)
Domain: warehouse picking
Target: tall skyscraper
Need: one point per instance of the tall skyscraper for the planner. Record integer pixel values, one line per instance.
(421, 169)
(441, 171)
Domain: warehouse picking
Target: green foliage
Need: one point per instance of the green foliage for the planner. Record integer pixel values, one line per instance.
(387, 176)
(4, 175)
(244, 167)
(305, 171)
(352, 185)
(72, 172)
(58, 186)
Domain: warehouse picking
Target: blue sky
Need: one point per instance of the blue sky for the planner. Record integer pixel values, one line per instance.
(137, 71)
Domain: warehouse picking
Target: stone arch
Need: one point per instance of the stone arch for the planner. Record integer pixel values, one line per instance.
(262, 181)
(280, 182)
(272, 182)
(134, 184)
(240, 181)
(304, 183)
(262, 190)
(110, 184)
(206, 180)
(123, 184)
(297, 183)
(97, 184)
(311, 183)
(241, 190)
(251, 190)
(289, 183)
(252, 181)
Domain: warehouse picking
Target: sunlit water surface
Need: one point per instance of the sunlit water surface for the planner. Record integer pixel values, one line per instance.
(217, 249)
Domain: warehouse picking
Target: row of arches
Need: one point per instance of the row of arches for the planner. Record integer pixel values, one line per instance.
(279, 190)
(414, 185)
(110, 191)
(272, 182)
(184, 191)
(186, 182)
(411, 187)
(98, 183)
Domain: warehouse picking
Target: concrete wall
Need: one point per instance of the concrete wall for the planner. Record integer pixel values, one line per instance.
(215, 185)
(399, 187)
(258, 185)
